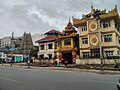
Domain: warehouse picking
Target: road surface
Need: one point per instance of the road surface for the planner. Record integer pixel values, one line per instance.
(14, 78)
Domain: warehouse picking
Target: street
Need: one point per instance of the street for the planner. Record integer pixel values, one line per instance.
(15, 78)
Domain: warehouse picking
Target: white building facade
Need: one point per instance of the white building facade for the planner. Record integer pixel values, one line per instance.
(48, 45)
(6, 41)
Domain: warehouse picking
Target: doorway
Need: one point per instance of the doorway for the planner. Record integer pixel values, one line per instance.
(67, 56)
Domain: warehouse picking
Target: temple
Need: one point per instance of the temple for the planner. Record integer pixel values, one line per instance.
(109, 25)
(67, 47)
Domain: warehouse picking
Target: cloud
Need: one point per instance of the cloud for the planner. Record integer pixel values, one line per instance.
(39, 16)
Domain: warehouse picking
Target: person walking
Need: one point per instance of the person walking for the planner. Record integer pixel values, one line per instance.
(11, 61)
(28, 63)
(116, 66)
(2, 61)
(66, 62)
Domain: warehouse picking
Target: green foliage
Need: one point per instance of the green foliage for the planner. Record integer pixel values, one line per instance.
(34, 51)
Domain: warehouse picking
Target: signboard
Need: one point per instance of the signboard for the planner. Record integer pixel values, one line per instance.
(18, 58)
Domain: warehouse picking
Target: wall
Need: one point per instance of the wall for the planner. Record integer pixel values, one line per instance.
(95, 61)
(47, 51)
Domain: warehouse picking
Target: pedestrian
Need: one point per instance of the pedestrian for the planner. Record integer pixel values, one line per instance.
(2, 61)
(74, 61)
(55, 63)
(66, 62)
(116, 66)
(28, 63)
(11, 61)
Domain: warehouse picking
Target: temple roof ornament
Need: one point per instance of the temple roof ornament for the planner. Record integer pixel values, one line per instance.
(93, 14)
(92, 11)
(69, 28)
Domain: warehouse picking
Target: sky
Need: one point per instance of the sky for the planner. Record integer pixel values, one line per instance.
(40, 16)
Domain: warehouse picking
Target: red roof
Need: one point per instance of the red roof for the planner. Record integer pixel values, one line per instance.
(54, 31)
(48, 38)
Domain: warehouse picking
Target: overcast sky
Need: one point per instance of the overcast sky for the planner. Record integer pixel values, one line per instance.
(39, 16)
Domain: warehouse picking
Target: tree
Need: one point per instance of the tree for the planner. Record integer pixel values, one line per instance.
(34, 51)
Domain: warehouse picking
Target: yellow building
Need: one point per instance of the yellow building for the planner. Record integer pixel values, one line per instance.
(89, 39)
(67, 44)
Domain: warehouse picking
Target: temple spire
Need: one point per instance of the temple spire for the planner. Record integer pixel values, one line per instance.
(91, 6)
(92, 11)
(69, 20)
(116, 6)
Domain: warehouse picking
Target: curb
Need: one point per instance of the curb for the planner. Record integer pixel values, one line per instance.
(67, 69)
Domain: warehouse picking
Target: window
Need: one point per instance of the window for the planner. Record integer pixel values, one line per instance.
(96, 54)
(117, 27)
(67, 42)
(49, 46)
(55, 45)
(119, 41)
(86, 55)
(118, 52)
(85, 40)
(109, 53)
(84, 28)
(108, 38)
(59, 44)
(106, 24)
(41, 56)
(42, 47)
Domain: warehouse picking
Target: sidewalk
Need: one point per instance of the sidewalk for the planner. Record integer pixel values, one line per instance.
(23, 65)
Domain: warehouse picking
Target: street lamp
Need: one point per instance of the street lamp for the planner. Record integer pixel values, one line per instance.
(12, 47)
(100, 43)
(11, 59)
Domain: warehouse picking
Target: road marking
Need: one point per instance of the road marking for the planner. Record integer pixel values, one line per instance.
(10, 80)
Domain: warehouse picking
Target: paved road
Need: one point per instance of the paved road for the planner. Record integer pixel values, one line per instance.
(14, 78)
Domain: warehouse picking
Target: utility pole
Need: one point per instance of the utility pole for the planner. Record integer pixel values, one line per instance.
(29, 58)
(12, 45)
(100, 43)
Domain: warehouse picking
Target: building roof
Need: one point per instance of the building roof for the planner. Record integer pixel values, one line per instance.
(95, 12)
(54, 31)
(47, 39)
(68, 36)
(69, 28)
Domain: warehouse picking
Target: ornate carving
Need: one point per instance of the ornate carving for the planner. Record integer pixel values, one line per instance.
(94, 40)
(93, 26)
